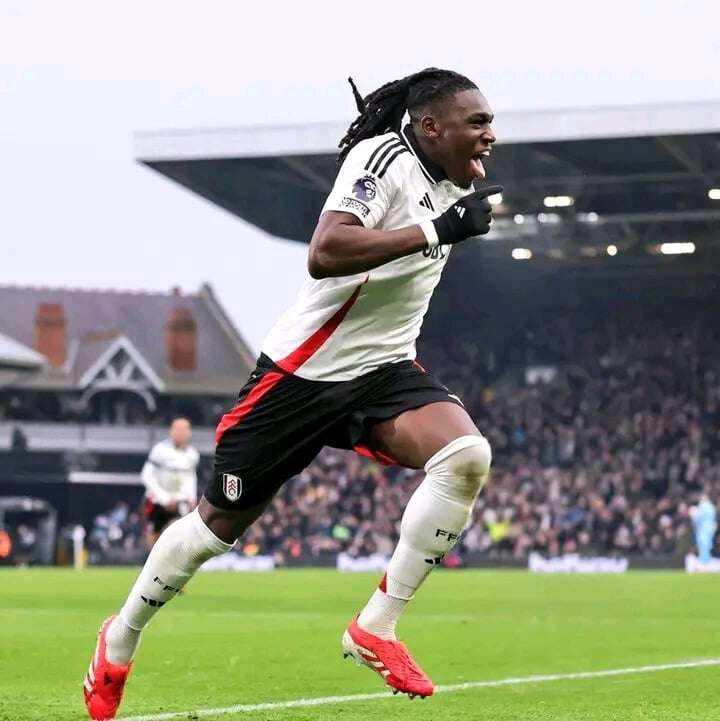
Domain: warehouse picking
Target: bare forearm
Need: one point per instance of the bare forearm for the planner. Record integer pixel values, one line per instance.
(346, 249)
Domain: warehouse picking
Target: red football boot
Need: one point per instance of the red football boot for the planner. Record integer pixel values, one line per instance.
(390, 659)
(105, 681)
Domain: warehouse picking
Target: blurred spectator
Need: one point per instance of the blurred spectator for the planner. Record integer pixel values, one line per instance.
(117, 536)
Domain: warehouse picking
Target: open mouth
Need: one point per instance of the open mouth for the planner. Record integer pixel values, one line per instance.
(477, 169)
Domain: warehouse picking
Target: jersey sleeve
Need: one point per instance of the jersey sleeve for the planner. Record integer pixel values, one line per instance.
(363, 186)
(151, 476)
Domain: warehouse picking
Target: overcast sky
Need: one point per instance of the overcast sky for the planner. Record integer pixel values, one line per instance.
(78, 78)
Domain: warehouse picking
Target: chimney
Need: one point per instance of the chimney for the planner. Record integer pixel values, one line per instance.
(50, 338)
(181, 340)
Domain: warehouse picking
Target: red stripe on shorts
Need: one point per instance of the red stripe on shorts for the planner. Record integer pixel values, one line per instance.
(266, 384)
(289, 364)
(378, 456)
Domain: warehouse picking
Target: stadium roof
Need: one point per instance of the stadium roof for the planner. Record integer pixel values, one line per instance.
(636, 177)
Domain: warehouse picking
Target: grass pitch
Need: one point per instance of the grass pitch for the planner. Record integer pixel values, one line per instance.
(238, 638)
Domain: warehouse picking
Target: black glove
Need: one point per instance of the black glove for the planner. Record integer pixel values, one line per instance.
(470, 216)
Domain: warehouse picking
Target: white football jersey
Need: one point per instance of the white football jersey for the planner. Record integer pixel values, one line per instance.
(170, 473)
(340, 328)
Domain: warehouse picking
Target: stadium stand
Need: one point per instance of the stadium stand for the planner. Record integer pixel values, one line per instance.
(606, 457)
(595, 373)
(603, 457)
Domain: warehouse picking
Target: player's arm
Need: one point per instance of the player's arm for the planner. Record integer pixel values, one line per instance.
(342, 245)
(347, 240)
(149, 476)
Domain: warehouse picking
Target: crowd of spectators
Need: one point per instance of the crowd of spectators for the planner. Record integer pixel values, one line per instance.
(117, 536)
(604, 458)
(603, 454)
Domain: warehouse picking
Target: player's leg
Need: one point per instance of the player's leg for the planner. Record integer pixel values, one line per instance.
(180, 550)
(151, 537)
(157, 519)
(442, 439)
(704, 543)
(152, 532)
(273, 432)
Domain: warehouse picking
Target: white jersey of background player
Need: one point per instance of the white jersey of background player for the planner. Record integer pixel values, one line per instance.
(170, 474)
(170, 479)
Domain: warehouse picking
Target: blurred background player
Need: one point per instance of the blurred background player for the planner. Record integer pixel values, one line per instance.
(338, 369)
(704, 517)
(170, 479)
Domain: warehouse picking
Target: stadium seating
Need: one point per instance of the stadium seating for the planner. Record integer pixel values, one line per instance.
(605, 458)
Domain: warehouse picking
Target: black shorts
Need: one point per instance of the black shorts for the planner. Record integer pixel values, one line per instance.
(157, 516)
(281, 422)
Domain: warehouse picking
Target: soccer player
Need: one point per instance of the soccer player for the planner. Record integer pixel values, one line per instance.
(339, 369)
(170, 478)
(704, 517)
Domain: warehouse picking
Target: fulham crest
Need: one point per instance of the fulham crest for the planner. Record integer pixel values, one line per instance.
(232, 486)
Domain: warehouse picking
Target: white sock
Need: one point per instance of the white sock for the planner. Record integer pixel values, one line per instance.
(381, 613)
(122, 642)
(434, 518)
(181, 549)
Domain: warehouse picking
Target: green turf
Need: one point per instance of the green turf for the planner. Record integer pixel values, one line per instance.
(249, 638)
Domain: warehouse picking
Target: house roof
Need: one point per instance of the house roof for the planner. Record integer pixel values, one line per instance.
(16, 355)
(96, 319)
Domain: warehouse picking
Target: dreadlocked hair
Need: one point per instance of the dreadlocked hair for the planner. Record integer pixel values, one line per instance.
(382, 111)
